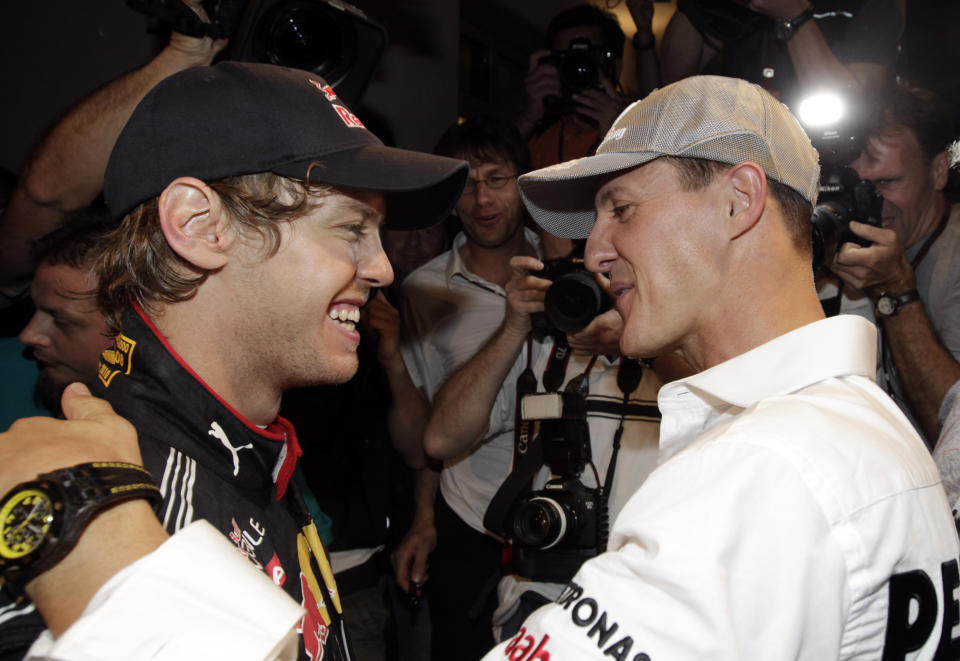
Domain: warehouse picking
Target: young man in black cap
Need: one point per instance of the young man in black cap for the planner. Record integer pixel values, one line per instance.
(252, 201)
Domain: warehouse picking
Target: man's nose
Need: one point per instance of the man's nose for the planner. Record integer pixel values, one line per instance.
(599, 253)
(32, 334)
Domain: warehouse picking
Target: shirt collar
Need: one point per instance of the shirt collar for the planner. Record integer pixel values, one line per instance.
(837, 346)
(456, 266)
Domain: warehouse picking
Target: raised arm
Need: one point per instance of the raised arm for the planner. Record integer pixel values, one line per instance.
(461, 409)
(408, 411)
(66, 171)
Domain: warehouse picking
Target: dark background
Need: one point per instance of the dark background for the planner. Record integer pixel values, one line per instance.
(444, 58)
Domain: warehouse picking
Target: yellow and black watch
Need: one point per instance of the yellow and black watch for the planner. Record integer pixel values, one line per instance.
(41, 520)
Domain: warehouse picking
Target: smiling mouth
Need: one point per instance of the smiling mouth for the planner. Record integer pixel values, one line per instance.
(348, 319)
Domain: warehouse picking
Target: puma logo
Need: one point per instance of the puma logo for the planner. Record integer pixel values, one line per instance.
(217, 432)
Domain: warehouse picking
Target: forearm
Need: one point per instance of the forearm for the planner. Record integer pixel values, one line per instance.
(426, 484)
(924, 366)
(407, 415)
(815, 63)
(683, 51)
(461, 410)
(648, 65)
(66, 171)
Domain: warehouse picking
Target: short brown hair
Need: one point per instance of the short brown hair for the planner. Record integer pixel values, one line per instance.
(137, 264)
(697, 173)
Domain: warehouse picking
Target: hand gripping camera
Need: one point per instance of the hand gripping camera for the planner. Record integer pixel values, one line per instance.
(834, 125)
(555, 529)
(580, 68)
(573, 300)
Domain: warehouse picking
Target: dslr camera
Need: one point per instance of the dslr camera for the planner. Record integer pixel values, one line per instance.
(843, 197)
(581, 65)
(837, 134)
(555, 529)
(572, 301)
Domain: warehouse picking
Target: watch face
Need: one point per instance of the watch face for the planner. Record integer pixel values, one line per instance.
(886, 305)
(25, 521)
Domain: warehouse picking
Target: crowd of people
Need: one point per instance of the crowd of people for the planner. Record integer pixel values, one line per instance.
(567, 387)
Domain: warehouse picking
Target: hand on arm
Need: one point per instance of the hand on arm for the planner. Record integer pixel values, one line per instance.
(117, 536)
(461, 410)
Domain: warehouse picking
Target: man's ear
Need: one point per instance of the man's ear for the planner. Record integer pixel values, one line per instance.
(746, 197)
(195, 223)
(940, 167)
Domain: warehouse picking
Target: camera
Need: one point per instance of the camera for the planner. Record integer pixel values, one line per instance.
(556, 528)
(581, 65)
(843, 197)
(834, 126)
(572, 301)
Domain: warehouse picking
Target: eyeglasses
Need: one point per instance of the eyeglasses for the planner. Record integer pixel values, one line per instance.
(493, 182)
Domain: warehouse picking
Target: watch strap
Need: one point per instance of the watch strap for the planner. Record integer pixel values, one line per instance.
(889, 305)
(789, 26)
(78, 493)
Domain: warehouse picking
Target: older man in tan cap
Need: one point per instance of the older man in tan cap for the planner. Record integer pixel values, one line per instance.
(795, 513)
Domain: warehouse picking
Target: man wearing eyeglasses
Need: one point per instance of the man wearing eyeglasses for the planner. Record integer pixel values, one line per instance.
(457, 308)
(452, 305)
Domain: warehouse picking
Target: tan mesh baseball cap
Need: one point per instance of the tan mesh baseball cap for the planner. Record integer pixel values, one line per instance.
(711, 117)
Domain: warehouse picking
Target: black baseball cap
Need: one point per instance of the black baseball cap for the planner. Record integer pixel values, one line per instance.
(238, 118)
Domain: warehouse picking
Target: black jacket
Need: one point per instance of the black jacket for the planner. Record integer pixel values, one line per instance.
(211, 463)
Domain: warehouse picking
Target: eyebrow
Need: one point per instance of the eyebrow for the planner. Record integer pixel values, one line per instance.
(365, 210)
(606, 196)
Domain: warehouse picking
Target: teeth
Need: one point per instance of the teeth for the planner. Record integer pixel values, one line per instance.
(347, 318)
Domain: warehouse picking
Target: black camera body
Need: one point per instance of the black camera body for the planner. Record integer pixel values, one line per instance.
(572, 301)
(581, 65)
(556, 528)
(843, 197)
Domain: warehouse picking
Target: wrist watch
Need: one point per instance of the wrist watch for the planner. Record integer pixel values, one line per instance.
(785, 28)
(889, 305)
(41, 520)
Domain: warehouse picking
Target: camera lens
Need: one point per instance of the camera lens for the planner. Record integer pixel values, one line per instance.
(304, 37)
(539, 523)
(828, 223)
(579, 71)
(573, 301)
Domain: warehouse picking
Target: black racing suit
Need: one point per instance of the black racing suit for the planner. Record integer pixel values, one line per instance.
(211, 463)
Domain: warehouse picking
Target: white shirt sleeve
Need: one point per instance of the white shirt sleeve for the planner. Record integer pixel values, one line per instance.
(194, 597)
(713, 544)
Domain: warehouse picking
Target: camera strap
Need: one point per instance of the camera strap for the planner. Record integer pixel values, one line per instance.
(527, 450)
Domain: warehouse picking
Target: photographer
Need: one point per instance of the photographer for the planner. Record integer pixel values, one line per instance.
(572, 91)
(471, 403)
(452, 306)
(786, 46)
(909, 274)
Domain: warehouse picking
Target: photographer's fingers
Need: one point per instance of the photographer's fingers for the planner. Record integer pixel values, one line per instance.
(523, 264)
